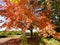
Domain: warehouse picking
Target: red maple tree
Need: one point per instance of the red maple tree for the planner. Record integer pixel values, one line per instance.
(21, 16)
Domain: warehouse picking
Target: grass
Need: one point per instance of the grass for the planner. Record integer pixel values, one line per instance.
(6, 34)
(32, 41)
(49, 41)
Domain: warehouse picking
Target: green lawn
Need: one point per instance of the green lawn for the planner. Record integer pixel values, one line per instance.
(9, 33)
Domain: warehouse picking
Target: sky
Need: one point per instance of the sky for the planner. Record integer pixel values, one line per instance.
(2, 3)
(2, 18)
(1, 0)
(2, 21)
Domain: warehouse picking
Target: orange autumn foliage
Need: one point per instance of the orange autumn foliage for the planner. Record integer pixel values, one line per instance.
(21, 16)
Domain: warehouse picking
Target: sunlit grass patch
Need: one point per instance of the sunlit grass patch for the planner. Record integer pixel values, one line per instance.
(50, 41)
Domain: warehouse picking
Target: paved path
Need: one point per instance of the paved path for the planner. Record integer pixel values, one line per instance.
(2, 40)
(11, 40)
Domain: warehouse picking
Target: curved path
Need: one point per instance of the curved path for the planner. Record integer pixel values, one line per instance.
(10, 41)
